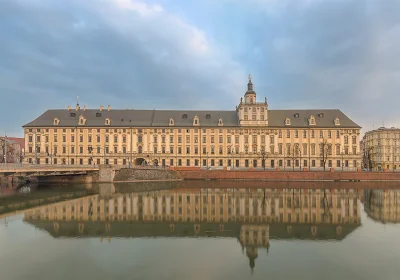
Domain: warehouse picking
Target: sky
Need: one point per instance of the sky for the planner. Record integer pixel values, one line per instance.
(175, 54)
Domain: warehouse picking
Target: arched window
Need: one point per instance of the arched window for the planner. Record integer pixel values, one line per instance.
(140, 149)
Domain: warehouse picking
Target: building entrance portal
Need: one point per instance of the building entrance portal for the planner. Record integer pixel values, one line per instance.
(140, 161)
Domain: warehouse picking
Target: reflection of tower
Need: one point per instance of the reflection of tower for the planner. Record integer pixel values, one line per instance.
(252, 254)
(253, 237)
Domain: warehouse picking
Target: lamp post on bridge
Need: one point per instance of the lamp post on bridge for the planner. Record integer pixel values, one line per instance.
(51, 155)
(5, 149)
(90, 151)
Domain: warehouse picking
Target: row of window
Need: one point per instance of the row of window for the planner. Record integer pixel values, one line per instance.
(205, 162)
(254, 139)
(290, 150)
(180, 130)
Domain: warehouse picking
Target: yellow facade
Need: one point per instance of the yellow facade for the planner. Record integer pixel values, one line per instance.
(381, 149)
(193, 147)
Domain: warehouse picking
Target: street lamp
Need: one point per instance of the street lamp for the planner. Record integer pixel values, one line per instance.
(300, 161)
(90, 151)
(342, 158)
(394, 152)
(264, 156)
(231, 150)
(51, 155)
(154, 152)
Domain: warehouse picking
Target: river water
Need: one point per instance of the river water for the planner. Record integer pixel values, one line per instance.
(202, 230)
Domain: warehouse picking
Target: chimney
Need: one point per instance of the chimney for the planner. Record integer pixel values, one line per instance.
(69, 107)
(84, 108)
(109, 108)
(101, 108)
(77, 107)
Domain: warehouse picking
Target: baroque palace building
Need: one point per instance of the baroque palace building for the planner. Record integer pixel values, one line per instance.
(251, 136)
(381, 149)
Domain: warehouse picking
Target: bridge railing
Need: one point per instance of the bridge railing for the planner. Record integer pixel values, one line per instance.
(8, 166)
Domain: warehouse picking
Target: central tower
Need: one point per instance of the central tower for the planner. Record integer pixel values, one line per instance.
(251, 112)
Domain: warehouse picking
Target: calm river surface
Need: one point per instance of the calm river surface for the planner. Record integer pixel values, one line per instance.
(201, 230)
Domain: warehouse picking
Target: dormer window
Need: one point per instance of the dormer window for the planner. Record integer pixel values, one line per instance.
(287, 121)
(296, 115)
(208, 116)
(320, 115)
(108, 121)
(56, 121)
(98, 115)
(196, 120)
(311, 120)
(337, 122)
(220, 123)
(82, 120)
(184, 116)
(72, 115)
(171, 121)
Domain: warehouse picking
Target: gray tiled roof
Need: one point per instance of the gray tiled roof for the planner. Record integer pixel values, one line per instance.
(276, 118)
(160, 118)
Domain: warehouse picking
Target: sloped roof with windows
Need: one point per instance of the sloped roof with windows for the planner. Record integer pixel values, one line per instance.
(324, 118)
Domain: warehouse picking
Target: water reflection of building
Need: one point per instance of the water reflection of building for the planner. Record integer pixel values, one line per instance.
(382, 205)
(252, 216)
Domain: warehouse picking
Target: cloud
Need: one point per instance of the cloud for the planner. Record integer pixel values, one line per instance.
(343, 54)
(120, 52)
(197, 54)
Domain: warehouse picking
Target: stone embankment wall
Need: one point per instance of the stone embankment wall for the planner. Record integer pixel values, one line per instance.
(130, 175)
(84, 179)
(288, 175)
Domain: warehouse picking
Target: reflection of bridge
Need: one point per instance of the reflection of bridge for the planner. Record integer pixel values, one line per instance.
(45, 170)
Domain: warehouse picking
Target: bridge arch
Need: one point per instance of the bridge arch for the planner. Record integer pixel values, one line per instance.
(140, 161)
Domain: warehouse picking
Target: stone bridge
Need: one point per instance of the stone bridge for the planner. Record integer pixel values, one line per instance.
(36, 170)
(88, 173)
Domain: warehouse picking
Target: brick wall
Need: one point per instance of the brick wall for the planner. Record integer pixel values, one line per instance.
(288, 175)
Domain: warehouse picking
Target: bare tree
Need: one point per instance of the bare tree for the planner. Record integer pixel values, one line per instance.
(293, 154)
(263, 156)
(325, 150)
(368, 158)
(10, 150)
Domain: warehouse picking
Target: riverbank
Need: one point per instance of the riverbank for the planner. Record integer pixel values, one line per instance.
(261, 175)
(108, 174)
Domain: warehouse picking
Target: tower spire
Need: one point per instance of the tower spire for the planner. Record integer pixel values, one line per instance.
(250, 83)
